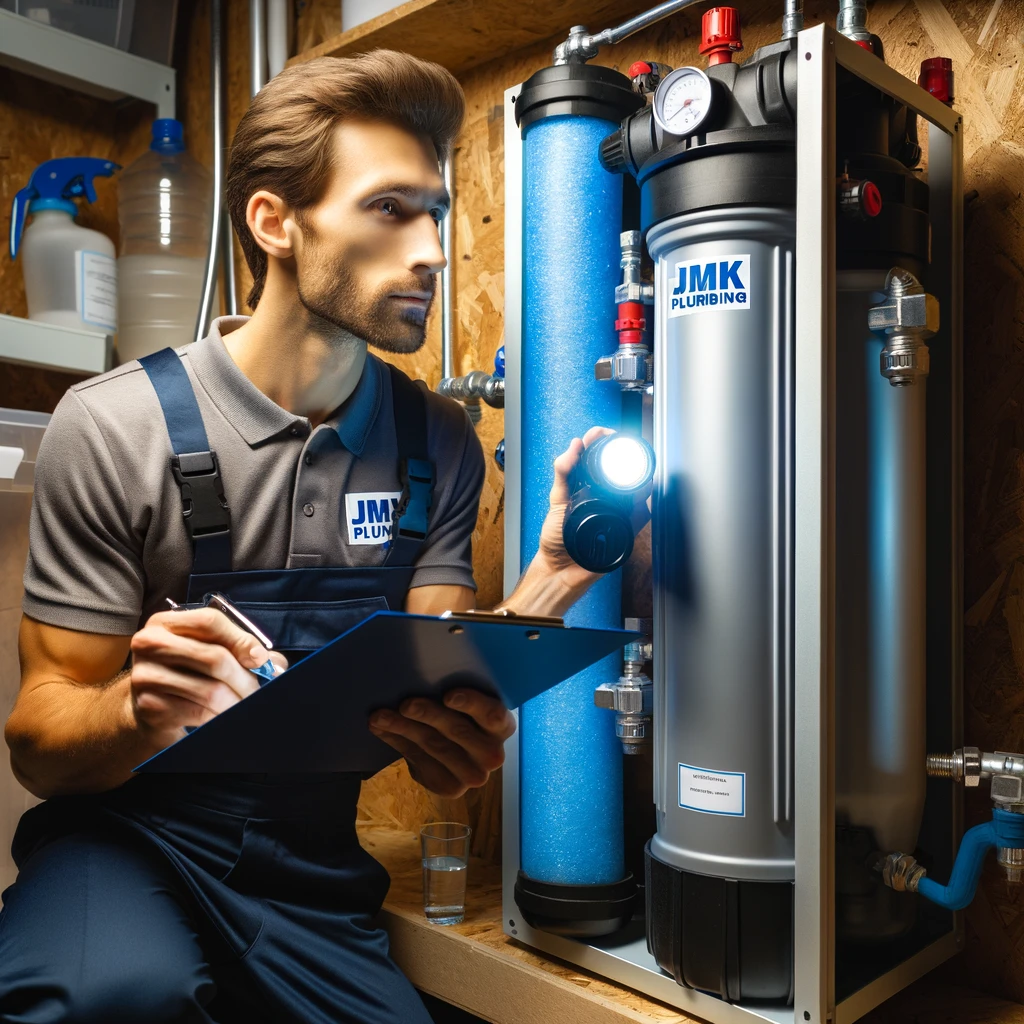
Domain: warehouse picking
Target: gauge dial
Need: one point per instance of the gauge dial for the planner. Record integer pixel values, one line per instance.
(682, 101)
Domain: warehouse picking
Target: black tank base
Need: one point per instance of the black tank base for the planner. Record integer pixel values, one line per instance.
(579, 911)
(728, 937)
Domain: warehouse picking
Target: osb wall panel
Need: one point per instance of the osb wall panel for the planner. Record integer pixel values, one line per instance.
(984, 39)
(392, 797)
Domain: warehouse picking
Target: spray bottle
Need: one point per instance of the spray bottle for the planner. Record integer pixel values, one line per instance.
(70, 273)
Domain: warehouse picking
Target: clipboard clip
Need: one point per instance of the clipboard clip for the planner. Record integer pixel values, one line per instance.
(504, 615)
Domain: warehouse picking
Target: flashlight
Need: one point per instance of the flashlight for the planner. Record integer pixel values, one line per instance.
(597, 530)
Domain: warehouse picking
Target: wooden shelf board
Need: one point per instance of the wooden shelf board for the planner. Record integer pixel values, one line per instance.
(477, 967)
(461, 34)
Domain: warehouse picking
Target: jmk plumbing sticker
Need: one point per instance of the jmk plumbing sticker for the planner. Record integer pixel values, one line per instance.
(701, 285)
(712, 792)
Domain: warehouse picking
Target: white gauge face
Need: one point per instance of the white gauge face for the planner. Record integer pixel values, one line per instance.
(682, 101)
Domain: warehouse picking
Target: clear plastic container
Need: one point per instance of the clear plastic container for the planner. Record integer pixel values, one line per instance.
(70, 275)
(164, 206)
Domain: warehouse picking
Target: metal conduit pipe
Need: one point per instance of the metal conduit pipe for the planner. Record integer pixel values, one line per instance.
(447, 303)
(853, 19)
(257, 46)
(581, 45)
(277, 36)
(217, 212)
(793, 19)
(227, 241)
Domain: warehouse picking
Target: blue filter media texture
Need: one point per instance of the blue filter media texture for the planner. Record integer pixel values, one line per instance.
(570, 759)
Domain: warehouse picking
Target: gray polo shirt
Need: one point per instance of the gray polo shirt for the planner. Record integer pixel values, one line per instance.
(107, 540)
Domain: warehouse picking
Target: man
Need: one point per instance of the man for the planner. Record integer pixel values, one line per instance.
(247, 898)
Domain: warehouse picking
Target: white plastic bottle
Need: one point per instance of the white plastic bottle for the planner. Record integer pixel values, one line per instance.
(164, 207)
(70, 273)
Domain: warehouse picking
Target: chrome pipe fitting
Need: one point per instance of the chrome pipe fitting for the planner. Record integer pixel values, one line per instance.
(793, 19)
(901, 872)
(475, 385)
(908, 316)
(853, 19)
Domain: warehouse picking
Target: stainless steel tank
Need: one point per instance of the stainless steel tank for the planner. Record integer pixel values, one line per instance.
(722, 519)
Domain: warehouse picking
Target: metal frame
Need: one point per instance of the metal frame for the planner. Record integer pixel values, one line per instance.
(625, 959)
(84, 65)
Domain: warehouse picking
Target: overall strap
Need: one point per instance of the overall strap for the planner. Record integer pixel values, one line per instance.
(416, 471)
(193, 464)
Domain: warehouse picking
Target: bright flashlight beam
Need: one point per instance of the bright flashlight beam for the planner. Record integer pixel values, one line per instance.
(625, 463)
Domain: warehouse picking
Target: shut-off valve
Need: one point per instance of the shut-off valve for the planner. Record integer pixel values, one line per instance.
(1005, 832)
(631, 364)
(632, 696)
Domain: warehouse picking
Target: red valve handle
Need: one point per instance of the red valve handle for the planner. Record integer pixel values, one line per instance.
(720, 35)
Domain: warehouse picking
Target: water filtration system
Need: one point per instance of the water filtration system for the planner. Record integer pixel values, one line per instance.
(737, 837)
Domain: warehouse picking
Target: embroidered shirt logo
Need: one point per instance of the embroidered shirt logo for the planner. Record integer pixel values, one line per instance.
(369, 516)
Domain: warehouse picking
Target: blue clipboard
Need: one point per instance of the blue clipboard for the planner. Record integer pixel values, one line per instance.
(314, 717)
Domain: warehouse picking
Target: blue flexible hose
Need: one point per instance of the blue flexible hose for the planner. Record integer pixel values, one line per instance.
(571, 762)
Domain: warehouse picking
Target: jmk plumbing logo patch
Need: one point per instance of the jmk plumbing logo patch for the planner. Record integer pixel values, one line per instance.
(701, 285)
(368, 516)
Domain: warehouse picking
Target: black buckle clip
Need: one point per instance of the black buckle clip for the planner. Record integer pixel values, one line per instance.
(203, 503)
(411, 517)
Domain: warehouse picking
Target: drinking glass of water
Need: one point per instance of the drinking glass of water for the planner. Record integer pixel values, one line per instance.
(445, 856)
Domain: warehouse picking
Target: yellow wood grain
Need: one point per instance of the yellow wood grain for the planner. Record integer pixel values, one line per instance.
(477, 966)
(984, 38)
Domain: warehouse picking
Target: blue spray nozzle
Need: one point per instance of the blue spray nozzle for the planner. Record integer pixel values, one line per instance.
(61, 180)
(168, 136)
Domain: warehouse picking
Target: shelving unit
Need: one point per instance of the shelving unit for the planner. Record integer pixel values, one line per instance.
(64, 349)
(461, 34)
(84, 65)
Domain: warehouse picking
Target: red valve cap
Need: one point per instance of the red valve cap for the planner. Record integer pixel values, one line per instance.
(638, 68)
(720, 35)
(871, 199)
(937, 78)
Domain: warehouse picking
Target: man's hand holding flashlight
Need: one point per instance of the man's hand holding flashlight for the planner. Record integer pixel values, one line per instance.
(554, 581)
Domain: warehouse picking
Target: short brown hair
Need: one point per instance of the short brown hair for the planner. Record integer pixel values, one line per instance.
(283, 142)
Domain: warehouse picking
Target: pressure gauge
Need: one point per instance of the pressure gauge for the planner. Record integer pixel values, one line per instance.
(682, 101)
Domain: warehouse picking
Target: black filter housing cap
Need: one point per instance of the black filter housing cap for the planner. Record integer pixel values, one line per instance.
(587, 90)
(580, 911)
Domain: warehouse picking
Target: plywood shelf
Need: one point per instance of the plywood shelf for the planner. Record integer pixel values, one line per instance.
(461, 34)
(476, 966)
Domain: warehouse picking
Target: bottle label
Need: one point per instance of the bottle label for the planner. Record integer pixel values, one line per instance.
(96, 287)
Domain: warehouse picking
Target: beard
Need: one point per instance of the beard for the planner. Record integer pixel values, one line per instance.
(330, 292)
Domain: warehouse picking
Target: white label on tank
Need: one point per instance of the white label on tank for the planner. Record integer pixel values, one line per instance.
(712, 792)
(96, 284)
(720, 284)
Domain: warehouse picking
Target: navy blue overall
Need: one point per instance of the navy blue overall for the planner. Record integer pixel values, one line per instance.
(220, 898)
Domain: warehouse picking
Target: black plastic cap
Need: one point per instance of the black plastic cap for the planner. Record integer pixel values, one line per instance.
(614, 157)
(581, 911)
(597, 533)
(730, 937)
(587, 90)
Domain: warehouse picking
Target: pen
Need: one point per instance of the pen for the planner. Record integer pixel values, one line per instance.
(268, 670)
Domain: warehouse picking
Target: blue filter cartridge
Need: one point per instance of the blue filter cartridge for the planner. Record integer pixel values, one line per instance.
(571, 829)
